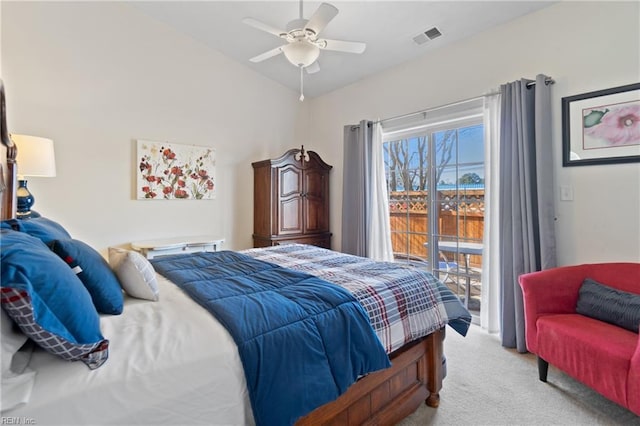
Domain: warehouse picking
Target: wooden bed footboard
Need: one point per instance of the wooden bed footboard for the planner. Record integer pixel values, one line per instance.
(388, 396)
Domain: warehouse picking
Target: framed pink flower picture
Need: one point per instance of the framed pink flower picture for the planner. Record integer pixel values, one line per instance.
(169, 171)
(601, 127)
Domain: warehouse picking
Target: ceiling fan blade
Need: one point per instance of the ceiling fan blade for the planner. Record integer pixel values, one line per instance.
(268, 54)
(264, 27)
(343, 46)
(321, 18)
(313, 68)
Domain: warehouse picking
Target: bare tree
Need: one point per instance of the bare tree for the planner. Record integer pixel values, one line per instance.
(444, 150)
(398, 162)
(423, 165)
(399, 158)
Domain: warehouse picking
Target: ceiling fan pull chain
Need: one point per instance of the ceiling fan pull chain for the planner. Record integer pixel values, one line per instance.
(301, 84)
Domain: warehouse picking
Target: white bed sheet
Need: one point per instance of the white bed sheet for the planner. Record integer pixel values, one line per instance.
(170, 362)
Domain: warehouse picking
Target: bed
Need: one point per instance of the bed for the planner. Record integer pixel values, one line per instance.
(171, 362)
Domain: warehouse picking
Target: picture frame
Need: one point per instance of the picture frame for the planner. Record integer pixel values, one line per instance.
(170, 171)
(601, 127)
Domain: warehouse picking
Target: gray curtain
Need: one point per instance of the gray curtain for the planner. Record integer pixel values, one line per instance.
(526, 208)
(355, 187)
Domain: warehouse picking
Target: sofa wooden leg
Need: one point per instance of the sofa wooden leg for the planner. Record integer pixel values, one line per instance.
(543, 367)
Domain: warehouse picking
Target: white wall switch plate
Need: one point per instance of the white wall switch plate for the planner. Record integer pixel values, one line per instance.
(566, 193)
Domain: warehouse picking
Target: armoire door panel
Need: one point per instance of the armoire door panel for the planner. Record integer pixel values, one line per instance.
(315, 184)
(290, 216)
(290, 182)
(311, 218)
(315, 220)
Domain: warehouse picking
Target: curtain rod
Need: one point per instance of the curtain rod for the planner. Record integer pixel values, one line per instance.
(547, 81)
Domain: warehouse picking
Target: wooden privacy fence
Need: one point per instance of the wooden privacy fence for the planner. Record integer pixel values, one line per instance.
(461, 215)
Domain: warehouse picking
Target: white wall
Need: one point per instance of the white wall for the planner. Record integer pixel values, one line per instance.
(584, 46)
(96, 76)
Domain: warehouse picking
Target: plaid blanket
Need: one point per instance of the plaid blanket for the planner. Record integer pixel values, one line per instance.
(403, 303)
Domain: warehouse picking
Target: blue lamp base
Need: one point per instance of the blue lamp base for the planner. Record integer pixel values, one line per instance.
(25, 200)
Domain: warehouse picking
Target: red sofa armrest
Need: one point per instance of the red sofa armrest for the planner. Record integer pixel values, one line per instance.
(633, 381)
(552, 291)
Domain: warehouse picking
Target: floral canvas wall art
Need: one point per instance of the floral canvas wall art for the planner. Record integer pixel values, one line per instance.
(602, 127)
(169, 171)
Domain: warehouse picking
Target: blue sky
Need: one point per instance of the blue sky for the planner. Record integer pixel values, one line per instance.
(469, 151)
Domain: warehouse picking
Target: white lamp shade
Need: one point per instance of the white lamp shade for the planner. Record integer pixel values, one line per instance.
(301, 53)
(35, 156)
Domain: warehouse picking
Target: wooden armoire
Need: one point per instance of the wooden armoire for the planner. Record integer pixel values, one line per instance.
(291, 200)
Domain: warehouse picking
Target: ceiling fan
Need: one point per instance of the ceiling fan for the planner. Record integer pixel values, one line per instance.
(303, 42)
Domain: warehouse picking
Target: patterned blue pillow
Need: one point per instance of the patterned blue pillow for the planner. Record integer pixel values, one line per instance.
(609, 304)
(40, 227)
(48, 302)
(94, 272)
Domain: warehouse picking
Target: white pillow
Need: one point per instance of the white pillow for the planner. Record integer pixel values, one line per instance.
(136, 275)
(17, 379)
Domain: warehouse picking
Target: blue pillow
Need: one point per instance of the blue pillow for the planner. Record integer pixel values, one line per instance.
(48, 302)
(94, 272)
(40, 227)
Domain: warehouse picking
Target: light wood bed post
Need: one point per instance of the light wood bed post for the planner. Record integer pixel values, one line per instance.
(8, 167)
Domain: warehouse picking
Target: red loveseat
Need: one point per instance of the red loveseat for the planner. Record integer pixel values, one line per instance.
(601, 355)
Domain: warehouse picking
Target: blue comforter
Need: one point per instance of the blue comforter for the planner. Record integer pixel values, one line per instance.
(302, 340)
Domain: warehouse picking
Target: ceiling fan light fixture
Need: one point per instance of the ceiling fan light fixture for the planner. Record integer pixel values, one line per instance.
(301, 53)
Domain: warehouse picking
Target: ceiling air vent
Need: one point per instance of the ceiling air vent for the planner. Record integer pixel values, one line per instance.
(430, 34)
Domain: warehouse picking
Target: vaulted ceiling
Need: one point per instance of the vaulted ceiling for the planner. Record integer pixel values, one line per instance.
(387, 27)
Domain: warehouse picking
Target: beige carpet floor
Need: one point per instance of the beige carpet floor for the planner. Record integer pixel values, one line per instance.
(487, 384)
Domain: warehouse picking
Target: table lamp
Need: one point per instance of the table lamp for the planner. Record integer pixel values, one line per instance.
(35, 159)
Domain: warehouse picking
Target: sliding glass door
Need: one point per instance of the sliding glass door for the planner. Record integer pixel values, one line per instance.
(435, 176)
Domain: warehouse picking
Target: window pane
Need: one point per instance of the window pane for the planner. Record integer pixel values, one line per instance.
(471, 144)
(447, 177)
(446, 148)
